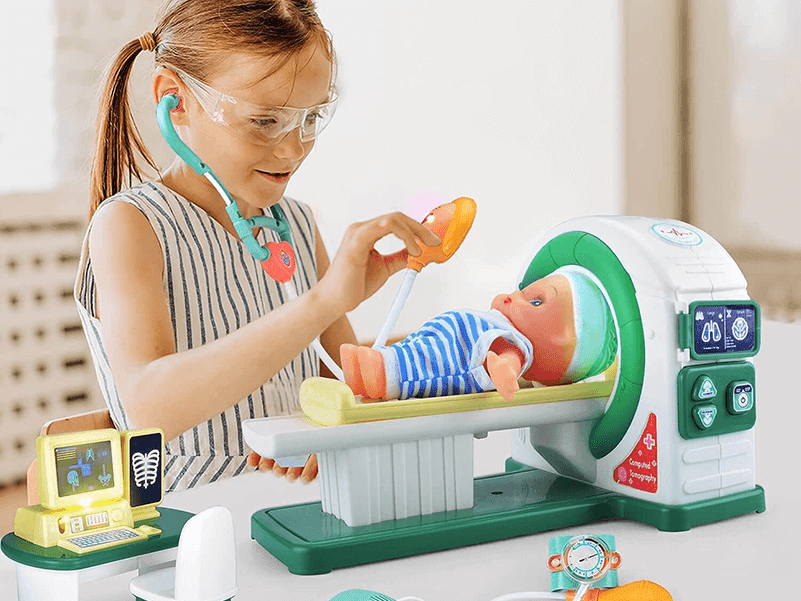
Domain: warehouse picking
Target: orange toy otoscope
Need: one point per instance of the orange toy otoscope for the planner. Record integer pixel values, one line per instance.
(450, 222)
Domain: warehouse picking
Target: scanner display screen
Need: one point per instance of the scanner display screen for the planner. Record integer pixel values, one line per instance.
(84, 468)
(725, 328)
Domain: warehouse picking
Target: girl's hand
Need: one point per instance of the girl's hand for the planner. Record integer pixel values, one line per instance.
(358, 269)
(306, 473)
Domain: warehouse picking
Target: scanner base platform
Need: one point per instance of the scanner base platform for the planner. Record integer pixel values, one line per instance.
(522, 501)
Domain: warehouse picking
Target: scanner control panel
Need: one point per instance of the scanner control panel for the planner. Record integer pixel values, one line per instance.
(716, 398)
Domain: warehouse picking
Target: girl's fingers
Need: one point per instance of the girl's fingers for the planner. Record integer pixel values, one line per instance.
(402, 226)
(310, 469)
(269, 465)
(428, 237)
(396, 261)
(404, 222)
(306, 473)
(293, 473)
(365, 235)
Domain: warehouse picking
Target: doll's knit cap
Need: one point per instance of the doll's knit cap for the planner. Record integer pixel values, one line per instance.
(596, 336)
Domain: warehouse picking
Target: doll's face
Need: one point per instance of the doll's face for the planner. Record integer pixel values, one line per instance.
(543, 313)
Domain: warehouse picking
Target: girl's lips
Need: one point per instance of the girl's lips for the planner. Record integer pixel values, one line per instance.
(275, 177)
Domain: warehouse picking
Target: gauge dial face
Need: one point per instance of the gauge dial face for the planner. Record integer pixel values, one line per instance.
(586, 559)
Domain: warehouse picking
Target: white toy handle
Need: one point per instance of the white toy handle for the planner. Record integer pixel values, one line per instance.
(394, 312)
(582, 590)
(324, 356)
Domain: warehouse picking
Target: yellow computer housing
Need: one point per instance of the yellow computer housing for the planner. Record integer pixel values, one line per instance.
(81, 488)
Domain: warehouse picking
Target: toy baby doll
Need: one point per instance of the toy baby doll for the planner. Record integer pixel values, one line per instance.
(556, 330)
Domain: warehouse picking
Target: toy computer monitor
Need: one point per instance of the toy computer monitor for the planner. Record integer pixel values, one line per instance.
(79, 469)
(143, 458)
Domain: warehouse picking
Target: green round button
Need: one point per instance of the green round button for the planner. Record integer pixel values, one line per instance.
(740, 398)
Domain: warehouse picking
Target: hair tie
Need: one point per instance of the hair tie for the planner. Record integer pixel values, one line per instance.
(147, 41)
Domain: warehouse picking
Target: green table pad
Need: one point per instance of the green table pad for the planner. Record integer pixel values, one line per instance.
(171, 522)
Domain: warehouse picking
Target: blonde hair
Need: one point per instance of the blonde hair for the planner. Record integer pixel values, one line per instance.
(190, 36)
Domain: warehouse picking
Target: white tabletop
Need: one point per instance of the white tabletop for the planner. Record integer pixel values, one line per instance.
(737, 559)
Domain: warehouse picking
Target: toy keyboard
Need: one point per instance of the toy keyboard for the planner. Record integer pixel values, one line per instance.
(102, 539)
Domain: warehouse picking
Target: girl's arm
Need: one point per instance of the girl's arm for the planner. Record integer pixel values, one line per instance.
(337, 333)
(176, 391)
(341, 331)
(157, 386)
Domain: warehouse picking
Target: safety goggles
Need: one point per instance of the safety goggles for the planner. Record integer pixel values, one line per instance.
(266, 125)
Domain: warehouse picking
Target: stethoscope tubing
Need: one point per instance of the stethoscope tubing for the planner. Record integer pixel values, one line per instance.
(277, 223)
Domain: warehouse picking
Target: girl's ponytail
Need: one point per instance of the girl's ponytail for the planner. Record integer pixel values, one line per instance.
(118, 139)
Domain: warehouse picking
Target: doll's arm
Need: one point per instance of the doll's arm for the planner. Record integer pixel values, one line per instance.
(504, 363)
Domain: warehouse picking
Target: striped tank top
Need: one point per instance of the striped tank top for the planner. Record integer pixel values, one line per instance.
(213, 286)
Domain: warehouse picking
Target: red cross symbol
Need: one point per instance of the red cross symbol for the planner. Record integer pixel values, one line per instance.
(649, 441)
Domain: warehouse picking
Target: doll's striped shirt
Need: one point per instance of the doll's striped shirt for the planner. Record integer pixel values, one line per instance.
(446, 355)
(213, 286)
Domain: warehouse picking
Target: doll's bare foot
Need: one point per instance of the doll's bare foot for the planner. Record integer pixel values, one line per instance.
(371, 363)
(503, 373)
(350, 368)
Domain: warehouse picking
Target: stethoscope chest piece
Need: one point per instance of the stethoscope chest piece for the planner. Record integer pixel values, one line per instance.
(281, 263)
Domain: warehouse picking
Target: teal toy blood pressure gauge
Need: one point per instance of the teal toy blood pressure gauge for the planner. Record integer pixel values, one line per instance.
(583, 561)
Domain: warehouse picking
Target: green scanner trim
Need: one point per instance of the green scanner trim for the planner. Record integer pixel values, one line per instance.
(244, 227)
(585, 250)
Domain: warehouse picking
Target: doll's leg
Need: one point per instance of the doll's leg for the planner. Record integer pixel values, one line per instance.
(350, 368)
(371, 364)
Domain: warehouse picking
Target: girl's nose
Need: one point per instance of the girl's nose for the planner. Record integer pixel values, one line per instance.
(290, 146)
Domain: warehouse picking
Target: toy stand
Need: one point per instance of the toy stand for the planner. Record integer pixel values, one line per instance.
(667, 439)
(517, 503)
(54, 573)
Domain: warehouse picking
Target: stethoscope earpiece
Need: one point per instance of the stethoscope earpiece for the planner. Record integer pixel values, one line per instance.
(177, 100)
(173, 101)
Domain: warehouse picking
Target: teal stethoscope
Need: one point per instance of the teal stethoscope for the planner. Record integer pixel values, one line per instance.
(277, 258)
(244, 227)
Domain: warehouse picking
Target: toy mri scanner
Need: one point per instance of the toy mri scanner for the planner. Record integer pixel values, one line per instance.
(664, 437)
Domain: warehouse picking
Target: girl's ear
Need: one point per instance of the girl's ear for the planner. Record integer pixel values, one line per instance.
(166, 82)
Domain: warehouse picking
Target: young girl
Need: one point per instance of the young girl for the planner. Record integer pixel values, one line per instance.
(187, 331)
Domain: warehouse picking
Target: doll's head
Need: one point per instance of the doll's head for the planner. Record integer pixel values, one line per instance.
(567, 319)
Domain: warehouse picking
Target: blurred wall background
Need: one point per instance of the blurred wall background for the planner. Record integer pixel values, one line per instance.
(743, 88)
(540, 110)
